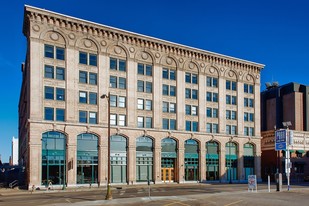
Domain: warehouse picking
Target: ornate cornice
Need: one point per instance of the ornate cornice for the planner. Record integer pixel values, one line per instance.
(41, 16)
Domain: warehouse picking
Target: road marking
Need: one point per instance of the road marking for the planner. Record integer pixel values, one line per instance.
(233, 203)
(178, 203)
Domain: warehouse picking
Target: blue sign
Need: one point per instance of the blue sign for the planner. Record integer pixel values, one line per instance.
(280, 143)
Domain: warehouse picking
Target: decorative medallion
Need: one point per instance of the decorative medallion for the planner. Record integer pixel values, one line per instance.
(222, 69)
(103, 43)
(36, 27)
(132, 49)
(157, 55)
(231, 73)
(202, 65)
(240, 73)
(181, 60)
(191, 65)
(117, 50)
(144, 55)
(54, 36)
(257, 76)
(249, 78)
(212, 70)
(87, 43)
(169, 61)
(72, 36)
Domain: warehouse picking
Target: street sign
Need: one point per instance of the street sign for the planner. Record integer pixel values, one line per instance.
(280, 143)
(252, 185)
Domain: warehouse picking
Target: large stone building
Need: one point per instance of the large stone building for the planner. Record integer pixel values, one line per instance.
(279, 104)
(177, 113)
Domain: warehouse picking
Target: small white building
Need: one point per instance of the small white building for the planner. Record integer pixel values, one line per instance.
(14, 155)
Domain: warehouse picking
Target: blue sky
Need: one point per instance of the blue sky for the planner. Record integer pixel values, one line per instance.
(271, 32)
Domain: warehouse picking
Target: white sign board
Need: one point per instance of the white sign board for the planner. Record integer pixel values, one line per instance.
(252, 184)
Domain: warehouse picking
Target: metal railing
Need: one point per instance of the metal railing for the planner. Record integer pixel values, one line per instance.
(13, 184)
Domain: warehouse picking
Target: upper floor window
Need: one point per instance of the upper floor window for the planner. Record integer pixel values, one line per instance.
(249, 131)
(144, 86)
(49, 72)
(144, 122)
(83, 78)
(191, 93)
(169, 107)
(212, 97)
(212, 82)
(117, 82)
(117, 64)
(87, 58)
(212, 128)
(191, 78)
(169, 124)
(231, 129)
(230, 85)
(84, 118)
(248, 102)
(144, 104)
(49, 114)
(191, 126)
(231, 99)
(117, 101)
(248, 117)
(212, 112)
(144, 69)
(118, 119)
(168, 90)
(191, 110)
(168, 74)
(231, 115)
(248, 88)
(50, 51)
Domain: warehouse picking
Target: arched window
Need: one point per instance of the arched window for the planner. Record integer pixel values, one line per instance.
(118, 159)
(144, 159)
(212, 161)
(53, 158)
(191, 160)
(168, 159)
(231, 161)
(87, 158)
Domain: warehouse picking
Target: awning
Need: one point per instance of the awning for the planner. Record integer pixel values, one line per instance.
(300, 151)
(291, 150)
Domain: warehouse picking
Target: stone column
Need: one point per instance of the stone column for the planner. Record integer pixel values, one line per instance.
(181, 162)
(240, 108)
(131, 164)
(222, 167)
(202, 103)
(257, 161)
(202, 162)
(71, 160)
(180, 100)
(131, 93)
(222, 105)
(257, 110)
(157, 163)
(103, 159)
(103, 88)
(240, 165)
(157, 97)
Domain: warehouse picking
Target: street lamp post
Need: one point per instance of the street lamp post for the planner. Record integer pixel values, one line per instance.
(109, 191)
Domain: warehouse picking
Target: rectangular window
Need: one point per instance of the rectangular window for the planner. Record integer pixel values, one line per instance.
(49, 71)
(49, 113)
(172, 124)
(188, 93)
(82, 97)
(172, 108)
(215, 97)
(83, 76)
(60, 75)
(113, 119)
(148, 70)
(246, 117)
(228, 129)
(248, 88)
(228, 85)
(113, 82)
(165, 89)
(212, 82)
(215, 113)
(251, 103)
(148, 105)
(188, 125)
(122, 83)
(234, 129)
(209, 128)
(188, 109)
(234, 86)
(215, 128)
(188, 78)
(92, 78)
(140, 86)
(83, 58)
(228, 99)
(194, 126)
(234, 100)
(149, 87)
(148, 122)
(60, 115)
(209, 112)
(49, 51)
(251, 131)
(83, 116)
(122, 102)
(251, 90)
(194, 110)
(172, 75)
(234, 115)
(60, 94)
(93, 98)
(113, 100)
(140, 69)
(228, 114)
(140, 104)
(194, 94)
(165, 74)
(194, 78)
(93, 59)
(172, 91)
(165, 106)
(246, 131)
(121, 120)
(122, 67)
(60, 53)
(231, 85)
(92, 117)
(49, 93)
(113, 64)
(165, 123)
(140, 122)
(209, 97)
